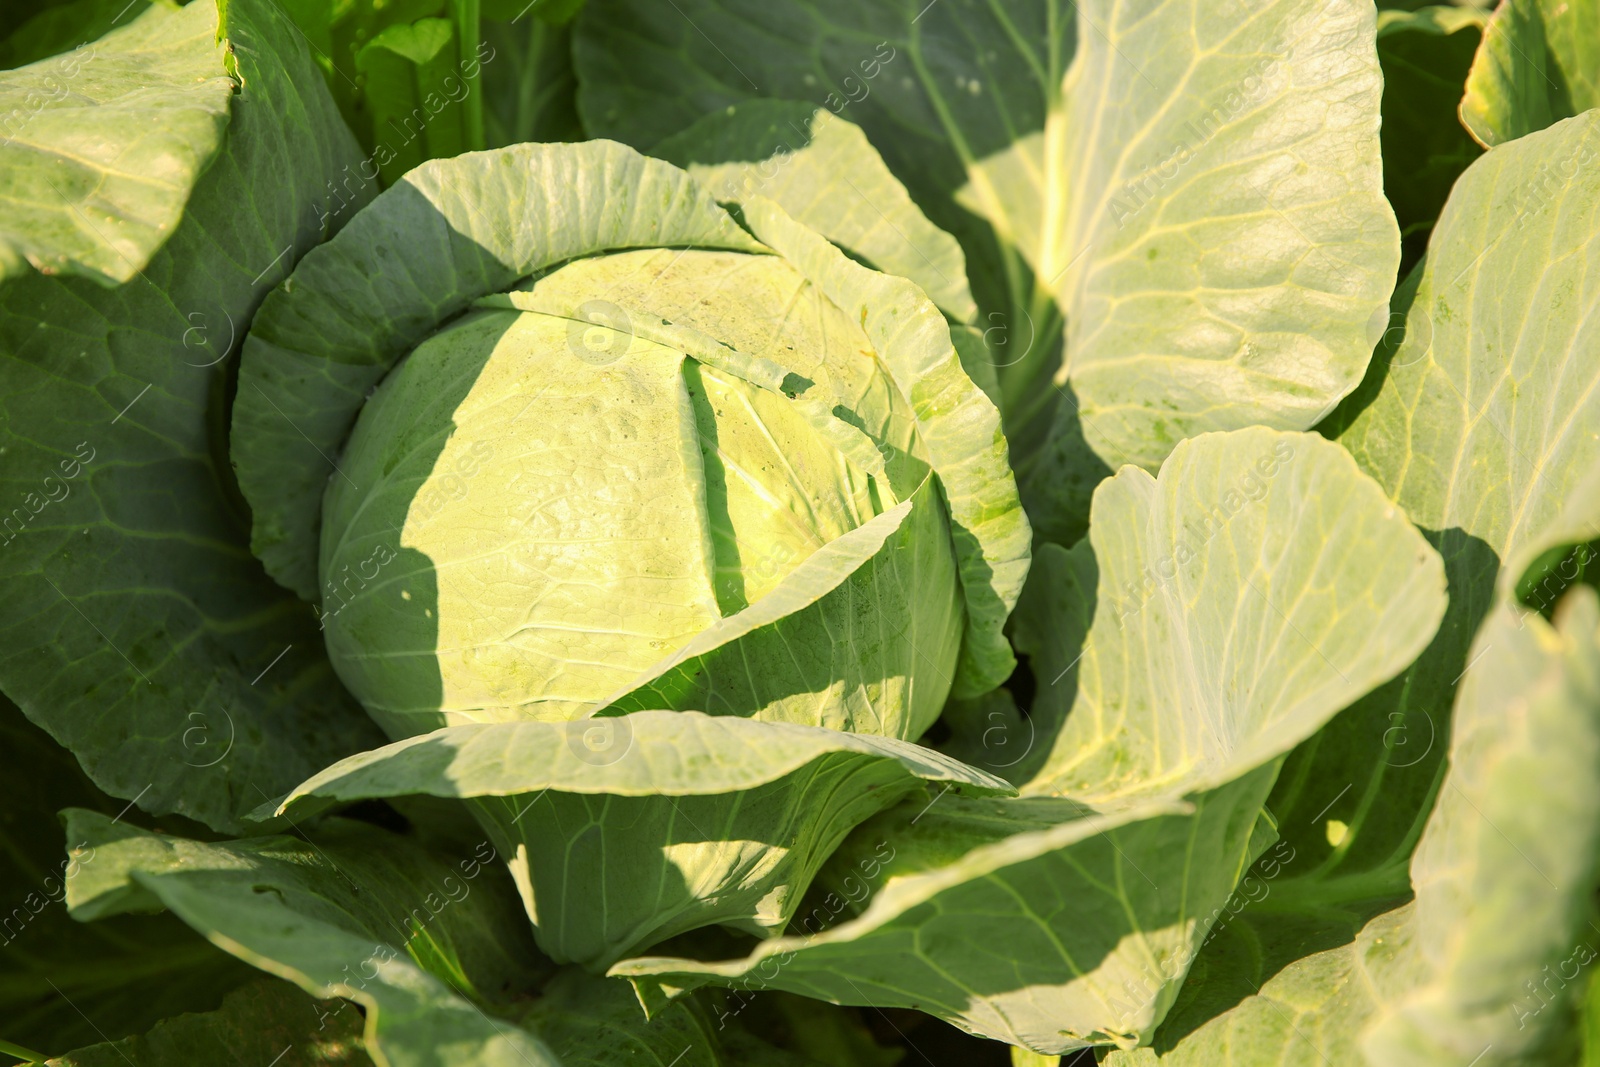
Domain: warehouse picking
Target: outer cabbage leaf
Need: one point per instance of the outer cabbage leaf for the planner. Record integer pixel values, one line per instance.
(125, 974)
(424, 943)
(1478, 419)
(1070, 916)
(430, 944)
(255, 1023)
(1311, 1011)
(1036, 921)
(447, 233)
(1505, 873)
(1261, 584)
(1481, 967)
(1117, 194)
(103, 145)
(592, 1022)
(1223, 252)
(823, 171)
(622, 832)
(140, 632)
(644, 754)
(1538, 63)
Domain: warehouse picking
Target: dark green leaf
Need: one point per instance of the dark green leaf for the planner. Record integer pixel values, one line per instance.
(1425, 57)
(139, 631)
(266, 1021)
(433, 945)
(63, 984)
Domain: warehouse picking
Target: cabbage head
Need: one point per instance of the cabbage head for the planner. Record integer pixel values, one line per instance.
(591, 446)
(558, 491)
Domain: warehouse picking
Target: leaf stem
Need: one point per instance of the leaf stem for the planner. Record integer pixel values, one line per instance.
(469, 35)
(26, 1055)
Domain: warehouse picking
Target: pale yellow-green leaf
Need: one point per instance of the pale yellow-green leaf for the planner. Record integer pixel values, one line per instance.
(1254, 589)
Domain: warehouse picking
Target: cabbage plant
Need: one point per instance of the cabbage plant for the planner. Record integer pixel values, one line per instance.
(612, 463)
(795, 533)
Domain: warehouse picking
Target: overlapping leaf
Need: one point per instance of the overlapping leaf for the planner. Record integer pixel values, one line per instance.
(139, 631)
(647, 753)
(1117, 194)
(822, 170)
(103, 145)
(1478, 419)
(955, 420)
(1037, 922)
(425, 943)
(802, 653)
(625, 831)
(1262, 584)
(1538, 63)
(934, 94)
(1484, 967)
(1187, 651)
